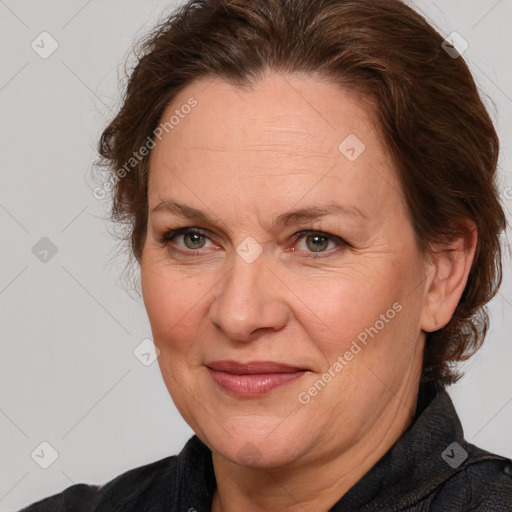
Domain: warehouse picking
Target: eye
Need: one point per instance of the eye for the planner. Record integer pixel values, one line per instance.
(192, 239)
(318, 241)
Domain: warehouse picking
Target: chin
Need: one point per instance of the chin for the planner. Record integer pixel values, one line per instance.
(256, 443)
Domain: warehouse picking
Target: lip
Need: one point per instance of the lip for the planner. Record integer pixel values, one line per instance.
(253, 378)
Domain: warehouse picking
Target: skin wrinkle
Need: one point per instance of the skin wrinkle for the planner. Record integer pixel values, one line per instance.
(285, 306)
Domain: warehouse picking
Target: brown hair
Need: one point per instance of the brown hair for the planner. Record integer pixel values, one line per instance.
(427, 107)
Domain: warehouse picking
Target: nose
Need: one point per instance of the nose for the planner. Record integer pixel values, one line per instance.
(249, 301)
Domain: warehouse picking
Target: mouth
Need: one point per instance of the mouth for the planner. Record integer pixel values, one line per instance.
(253, 378)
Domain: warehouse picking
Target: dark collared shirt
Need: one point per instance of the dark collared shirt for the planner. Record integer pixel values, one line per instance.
(430, 468)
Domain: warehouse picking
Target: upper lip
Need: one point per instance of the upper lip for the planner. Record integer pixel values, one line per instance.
(252, 367)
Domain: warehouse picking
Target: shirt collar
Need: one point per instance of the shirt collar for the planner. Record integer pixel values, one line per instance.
(414, 465)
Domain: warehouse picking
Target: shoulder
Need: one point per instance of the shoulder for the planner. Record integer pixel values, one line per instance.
(482, 483)
(167, 484)
(123, 489)
(78, 498)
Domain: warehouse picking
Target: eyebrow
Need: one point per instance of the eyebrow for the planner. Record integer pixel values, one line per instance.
(298, 216)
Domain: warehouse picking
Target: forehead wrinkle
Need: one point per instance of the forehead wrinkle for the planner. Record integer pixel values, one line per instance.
(294, 150)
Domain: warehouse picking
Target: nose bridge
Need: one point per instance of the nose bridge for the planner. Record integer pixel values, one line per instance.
(247, 301)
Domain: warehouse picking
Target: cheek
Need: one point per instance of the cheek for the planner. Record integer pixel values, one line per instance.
(172, 301)
(338, 309)
(333, 307)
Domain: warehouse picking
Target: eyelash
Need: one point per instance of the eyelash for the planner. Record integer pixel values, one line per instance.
(167, 237)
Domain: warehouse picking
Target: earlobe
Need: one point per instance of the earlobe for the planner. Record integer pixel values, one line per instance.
(448, 273)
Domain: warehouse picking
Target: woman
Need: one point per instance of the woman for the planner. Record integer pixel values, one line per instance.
(310, 190)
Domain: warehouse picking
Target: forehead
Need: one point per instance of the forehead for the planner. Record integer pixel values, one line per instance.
(301, 110)
(284, 134)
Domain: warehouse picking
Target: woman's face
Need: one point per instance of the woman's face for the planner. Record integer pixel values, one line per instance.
(335, 291)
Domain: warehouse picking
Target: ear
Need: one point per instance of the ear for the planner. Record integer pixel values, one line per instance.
(448, 271)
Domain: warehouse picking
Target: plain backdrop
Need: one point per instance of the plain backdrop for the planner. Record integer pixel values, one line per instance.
(68, 373)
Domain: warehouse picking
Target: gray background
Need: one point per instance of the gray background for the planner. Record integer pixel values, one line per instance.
(68, 375)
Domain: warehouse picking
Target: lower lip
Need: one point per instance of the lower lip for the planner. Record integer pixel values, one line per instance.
(253, 385)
